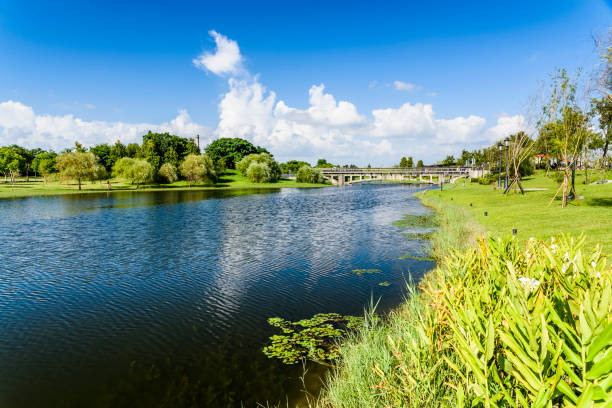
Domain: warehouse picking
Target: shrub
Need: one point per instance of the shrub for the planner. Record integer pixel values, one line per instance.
(137, 171)
(262, 158)
(258, 172)
(307, 174)
(168, 172)
(198, 168)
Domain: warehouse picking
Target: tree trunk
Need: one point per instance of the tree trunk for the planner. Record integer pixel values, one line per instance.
(79, 181)
(565, 181)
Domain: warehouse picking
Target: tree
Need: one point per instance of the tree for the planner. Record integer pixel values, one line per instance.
(117, 151)
(448, 161)
(103, 153)
(133, 150)
(10, 162)
(258, 172)
(158, 148)
(602, 109)
(403, 162)
(273, 173)
(44, 164)
(137, 171)
(567, 127)
(292, 166)
(231, 149)
(307, 174)
(324, 164)
(420, 163)
(198, 168)
(77, 166)
(168, 172)
(410, 162)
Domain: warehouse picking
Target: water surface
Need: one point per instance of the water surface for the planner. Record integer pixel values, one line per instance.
(162, 298)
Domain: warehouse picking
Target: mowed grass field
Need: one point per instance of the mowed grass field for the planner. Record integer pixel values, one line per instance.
(231, 180)
(531, 213)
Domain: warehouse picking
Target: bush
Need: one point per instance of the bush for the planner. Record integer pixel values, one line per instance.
(307, 174)
(273, 173)
(168, 172)
(258, 172)
(137, 171)
(197, 168)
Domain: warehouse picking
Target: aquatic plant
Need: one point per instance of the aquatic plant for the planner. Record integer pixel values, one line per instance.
(313, 339)
(384, 284)
(361, 272)
(410, 220)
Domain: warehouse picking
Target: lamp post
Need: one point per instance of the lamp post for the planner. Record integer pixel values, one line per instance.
(500, 157)
(507, 142)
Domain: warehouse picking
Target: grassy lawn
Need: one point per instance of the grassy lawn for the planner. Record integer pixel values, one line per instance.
(231, 180)
(531, 215)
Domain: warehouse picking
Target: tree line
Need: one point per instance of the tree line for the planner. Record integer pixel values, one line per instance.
(161, 158)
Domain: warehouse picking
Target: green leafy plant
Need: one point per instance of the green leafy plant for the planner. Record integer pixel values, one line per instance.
(361, 272)
(533, 326)
(313, 339)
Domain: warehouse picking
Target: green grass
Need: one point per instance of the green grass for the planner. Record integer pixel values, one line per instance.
(530, 214)
(231, 180)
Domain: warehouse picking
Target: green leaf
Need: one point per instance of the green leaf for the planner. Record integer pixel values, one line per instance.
(490, 345)
(603, 366)
(602, 340)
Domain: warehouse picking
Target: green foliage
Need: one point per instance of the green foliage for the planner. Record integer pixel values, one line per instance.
(324, 164)
(137, 171)
(258, 172)
(361, 272)
(44, 163)
(77, 166)
(411, 220)
(384, 284)
(307, 174)
(158, 148)
(168, 172)
(11, 162)
(420, 163)
(232, 150)
(196, 168)
(313, 339)
(292, 166)
(448, 161)
(533, 326)
(103, 153)
(259, 168)
(403, 162)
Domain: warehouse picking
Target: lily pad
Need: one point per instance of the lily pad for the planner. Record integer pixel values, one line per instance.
(314, 339)
(361, 272)
(384, 284)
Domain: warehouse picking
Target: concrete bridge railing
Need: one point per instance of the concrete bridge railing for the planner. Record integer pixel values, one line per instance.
(340, 175)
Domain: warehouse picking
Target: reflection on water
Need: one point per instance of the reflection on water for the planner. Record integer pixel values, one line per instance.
(162, 298)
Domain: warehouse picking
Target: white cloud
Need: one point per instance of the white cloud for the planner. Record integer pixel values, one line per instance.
(507, 125)
(327, 127)
(225, 60)
(404, 86)
(20, 125)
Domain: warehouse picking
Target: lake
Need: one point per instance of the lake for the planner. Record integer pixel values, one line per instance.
(162, 298)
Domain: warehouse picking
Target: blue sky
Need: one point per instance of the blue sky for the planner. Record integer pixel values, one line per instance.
(441, 75)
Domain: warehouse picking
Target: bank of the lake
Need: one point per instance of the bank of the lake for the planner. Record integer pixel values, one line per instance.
(402, 361)
(228, 181)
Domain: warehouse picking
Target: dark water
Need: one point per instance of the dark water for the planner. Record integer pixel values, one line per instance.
(162, 298)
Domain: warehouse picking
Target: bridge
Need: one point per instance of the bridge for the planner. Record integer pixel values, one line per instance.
(340, 176)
